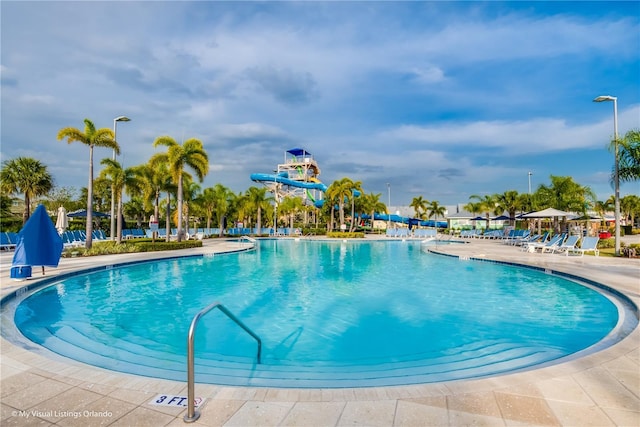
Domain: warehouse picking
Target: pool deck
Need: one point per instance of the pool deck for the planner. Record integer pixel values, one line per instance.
(600, 389)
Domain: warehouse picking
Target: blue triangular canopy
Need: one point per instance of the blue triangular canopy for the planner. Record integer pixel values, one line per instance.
(38, 242)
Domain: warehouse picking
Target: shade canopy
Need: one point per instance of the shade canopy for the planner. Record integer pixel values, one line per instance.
(62, 222)
(38, 242)
(83, 213)
(548, 213)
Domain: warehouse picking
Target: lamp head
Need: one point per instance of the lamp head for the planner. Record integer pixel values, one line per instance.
(604, 98)
(122, 119)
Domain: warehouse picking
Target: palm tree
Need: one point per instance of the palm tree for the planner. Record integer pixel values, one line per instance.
(509, 201)
(223, 198)
(27, 176)
(191, 153)
(419, 205)
(289, 207)
(487, 205)
(119, 179)
(92, 137)
(437, 210)
(356, 188)
(629, 156)
(153, 178)
(207, 202)
(565, 194)
(134, 208)
(330, 200)
(339, 191)
(474, 209)
(258, 200)
(630, 206)
(373, 204)
(191, 191)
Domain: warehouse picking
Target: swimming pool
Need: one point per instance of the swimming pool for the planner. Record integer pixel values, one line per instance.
(330, 314)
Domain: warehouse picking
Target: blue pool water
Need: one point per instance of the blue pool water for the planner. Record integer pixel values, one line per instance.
(330, 314)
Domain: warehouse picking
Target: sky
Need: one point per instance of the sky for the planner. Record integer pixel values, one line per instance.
(442, 100)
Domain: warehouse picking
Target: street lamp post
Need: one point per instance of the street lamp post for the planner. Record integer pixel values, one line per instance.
(389, 207)
(530, 182)
(113, 189)
(616, 173)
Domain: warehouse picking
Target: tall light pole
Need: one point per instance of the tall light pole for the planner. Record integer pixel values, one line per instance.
(113, 189)
(389, 207)
(616, 173)
(530, 181)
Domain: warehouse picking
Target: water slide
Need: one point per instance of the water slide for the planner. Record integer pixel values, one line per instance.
(280, 179)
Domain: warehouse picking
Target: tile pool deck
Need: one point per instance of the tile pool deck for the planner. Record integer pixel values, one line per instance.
(600, 389)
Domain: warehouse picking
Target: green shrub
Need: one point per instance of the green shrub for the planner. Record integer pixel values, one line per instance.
(130, 246)
(167, 246)
(606, 243)
(345, 235)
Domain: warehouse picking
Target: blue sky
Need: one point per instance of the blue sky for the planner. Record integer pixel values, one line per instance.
(440, 99)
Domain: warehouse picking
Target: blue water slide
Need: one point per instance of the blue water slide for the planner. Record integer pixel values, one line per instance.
(265, 177)
(406, 220)
(283, 179)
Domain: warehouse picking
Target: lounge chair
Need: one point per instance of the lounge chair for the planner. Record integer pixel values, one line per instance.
(6, 243)
(570, 243)
(589, 244)
(540, 239)
(556, 240)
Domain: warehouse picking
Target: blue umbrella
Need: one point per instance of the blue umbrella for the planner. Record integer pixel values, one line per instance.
(38, 244)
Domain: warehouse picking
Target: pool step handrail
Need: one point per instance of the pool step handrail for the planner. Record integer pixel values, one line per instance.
(251, 240)
(192, 415)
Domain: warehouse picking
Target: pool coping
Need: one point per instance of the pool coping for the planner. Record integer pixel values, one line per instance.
(602, 388)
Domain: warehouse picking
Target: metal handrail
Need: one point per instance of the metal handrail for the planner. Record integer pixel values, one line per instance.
(192, 415)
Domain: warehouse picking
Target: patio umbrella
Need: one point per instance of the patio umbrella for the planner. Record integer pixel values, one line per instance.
(62, 222)
(548, 213)
(83, 213)
(38, 244)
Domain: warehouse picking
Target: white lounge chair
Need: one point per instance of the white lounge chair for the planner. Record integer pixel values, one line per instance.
(549, 246)
(570, 243)
(589, 244)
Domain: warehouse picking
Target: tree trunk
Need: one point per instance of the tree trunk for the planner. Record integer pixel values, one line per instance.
(89, 226)
(119, 219)
(180, 201)
(168, 219)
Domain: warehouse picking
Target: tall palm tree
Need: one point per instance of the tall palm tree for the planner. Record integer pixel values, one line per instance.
(191, 190)
(356, 188)
(27, 176)
(153, 178)
(191, 153)
(419, 205)
(339, 191)
(91, 136)
(119, 179)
